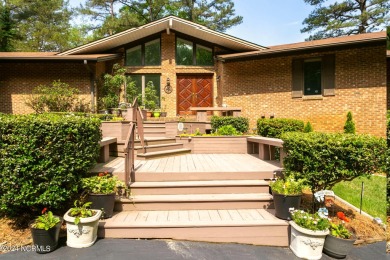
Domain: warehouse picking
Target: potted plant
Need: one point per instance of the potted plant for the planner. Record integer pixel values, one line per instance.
(156, 113)
(82, 225)
(339, 241)
(101, 192)
(45, 231)
(308, 232)
(287, 194)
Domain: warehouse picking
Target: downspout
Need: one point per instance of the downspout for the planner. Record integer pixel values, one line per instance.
(92, 77)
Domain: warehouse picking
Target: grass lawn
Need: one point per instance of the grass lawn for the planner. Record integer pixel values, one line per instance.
(374, 197)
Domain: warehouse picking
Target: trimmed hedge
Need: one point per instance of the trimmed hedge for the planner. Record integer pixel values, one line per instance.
(42, 159)
(241, 124)
(326, 159)
(275, 127)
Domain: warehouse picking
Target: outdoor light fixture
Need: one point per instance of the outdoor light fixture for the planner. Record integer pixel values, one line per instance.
(272, 115)
(263, 116)
(168, 88)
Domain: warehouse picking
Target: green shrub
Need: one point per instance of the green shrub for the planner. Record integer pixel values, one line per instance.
(241, 124)
(349, 127)
(308, 128)
(57, 97)
(326, 159)
(227, 130)
(43, 158)
(276, 126)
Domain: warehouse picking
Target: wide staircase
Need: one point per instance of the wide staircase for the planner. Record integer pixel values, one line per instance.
(206, 200)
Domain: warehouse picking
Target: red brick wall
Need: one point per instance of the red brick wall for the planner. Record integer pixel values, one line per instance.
(263, 86)
(17, 80)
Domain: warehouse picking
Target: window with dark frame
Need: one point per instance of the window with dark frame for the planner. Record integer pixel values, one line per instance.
(313, 77)
(141, 82)
(189, 53)
(146, 54)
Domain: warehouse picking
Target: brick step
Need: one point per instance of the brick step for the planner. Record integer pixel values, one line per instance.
(195, 201)
(158, 147)
(199, 187)
(153, 155)
(249, 226)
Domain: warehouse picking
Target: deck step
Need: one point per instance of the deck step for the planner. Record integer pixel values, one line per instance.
(250, 226)
(199, 187)
(195, 201)
(159, 147)
(153, 155)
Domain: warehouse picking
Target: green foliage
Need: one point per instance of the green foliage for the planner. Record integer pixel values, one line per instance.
(275, 127)
(151, 98)
(43, 158)
(227, 130)
(308, 128)
(349, 127)
(102, 184)
(7, 29)
(326, 159)
(57, 97)
(114, 16)
(345, 17)
(46, 221)
(42, 25)
(241, 124)
(81, 211)
(310, 221)
(289, 186)
(339, 230)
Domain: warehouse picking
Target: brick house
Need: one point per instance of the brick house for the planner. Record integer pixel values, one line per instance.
(318, 81)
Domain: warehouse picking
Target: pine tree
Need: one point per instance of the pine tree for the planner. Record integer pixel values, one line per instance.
(7, 29)
(346, 17)
(349, 127)
(308, 128)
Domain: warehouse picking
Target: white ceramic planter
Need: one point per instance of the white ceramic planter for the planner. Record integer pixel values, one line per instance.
(306, 243)
(85, 233)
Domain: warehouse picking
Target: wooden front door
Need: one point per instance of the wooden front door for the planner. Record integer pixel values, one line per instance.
(194, 91)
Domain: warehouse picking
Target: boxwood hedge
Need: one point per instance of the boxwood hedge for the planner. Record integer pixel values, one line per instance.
(42, 158)
(241, 124)
(276, 126)
(324, 159)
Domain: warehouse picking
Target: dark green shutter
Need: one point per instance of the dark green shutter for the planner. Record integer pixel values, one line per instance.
(297, 78)
(328, 75)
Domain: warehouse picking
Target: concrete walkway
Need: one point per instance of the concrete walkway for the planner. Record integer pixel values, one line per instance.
(172, 250)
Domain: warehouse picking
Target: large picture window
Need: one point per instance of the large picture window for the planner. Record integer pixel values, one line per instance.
(147, 54)
(142, 81)
(189, 53)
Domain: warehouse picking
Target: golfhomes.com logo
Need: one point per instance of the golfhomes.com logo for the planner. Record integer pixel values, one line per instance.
(27, 248)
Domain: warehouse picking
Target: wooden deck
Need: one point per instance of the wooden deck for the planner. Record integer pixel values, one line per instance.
(199, 197)
(193, 163)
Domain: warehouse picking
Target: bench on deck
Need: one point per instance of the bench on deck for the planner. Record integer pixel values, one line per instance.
(265, 147)
(201, 112)
(105, 148)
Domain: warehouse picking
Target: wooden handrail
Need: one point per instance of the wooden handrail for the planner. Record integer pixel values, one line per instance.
(130, 142)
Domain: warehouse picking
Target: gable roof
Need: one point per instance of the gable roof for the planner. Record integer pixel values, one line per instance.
(311, 45)
(168, 23)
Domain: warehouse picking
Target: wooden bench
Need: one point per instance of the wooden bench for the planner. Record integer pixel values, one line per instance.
(266, 147)
(105, 148)
(201, 112)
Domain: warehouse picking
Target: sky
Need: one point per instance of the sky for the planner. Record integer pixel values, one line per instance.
(266, 22)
